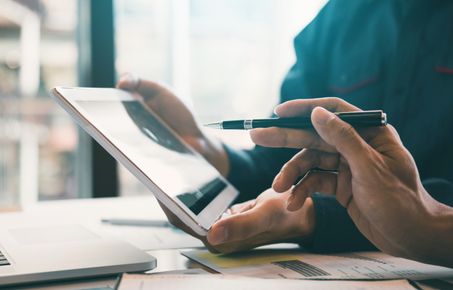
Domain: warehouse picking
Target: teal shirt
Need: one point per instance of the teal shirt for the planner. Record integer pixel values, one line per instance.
(394, 55)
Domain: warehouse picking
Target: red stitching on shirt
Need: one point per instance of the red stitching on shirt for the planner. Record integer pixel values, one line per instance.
(345, 90)
(444, 70)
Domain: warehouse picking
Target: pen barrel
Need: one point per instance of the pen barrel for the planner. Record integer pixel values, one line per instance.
(364, 118)
(233, 125)
(294, 123)
(356, 119)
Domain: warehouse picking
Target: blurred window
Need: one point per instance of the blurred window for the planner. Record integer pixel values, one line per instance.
(38, 51)
(226, 57)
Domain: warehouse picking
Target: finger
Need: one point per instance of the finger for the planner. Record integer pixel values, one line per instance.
(147, 89)
(241, 207)
(128, 82)
(317, 181)
(344, 188)
(305, 107)
(288, 138)
(239, 227)
(393, 134)
(343, 137)
(300, 164)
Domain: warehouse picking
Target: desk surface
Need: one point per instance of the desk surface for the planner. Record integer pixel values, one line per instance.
(167, 260)
(90, 211)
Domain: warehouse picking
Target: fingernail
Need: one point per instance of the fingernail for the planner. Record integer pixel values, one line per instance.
(321, 115)
(218, 236)
(275, 110)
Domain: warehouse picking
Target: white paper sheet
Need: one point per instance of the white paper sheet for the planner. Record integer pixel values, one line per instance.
(297, 265)
(221, 282)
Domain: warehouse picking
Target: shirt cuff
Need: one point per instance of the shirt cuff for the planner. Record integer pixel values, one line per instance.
(334, 230)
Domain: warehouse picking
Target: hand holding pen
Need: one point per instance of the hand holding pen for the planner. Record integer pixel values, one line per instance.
(372, 118)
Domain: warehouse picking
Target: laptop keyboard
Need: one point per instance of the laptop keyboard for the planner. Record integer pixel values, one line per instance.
(3, 260)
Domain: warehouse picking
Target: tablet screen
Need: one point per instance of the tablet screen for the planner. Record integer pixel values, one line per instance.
(156, 152)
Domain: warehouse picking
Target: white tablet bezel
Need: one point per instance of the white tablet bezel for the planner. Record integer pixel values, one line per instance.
(200, 223)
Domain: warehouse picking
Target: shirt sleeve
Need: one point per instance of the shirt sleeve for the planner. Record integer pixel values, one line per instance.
(335, 231)
(252, 171)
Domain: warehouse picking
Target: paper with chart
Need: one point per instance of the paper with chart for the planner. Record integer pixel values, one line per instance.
(221, 282)
(291, 264)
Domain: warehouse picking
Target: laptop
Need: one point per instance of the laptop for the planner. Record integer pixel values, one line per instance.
(36, 251)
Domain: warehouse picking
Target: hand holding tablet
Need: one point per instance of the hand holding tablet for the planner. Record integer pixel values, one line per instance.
(185, 184)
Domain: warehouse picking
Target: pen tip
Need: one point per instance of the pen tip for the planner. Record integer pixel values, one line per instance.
(214, 125)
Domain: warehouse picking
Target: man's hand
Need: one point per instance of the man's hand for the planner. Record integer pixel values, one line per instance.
(262, 221)
(376, 179)
(175, 113)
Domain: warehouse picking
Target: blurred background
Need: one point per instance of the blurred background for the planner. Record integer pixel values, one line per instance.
(226, 57)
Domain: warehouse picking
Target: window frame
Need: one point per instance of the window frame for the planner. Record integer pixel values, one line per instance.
(96, 169)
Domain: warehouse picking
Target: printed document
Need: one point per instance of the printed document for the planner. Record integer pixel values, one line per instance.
(221, 282)
(291, 264)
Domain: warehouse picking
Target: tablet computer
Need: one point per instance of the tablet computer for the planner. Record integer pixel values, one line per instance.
(135, 136)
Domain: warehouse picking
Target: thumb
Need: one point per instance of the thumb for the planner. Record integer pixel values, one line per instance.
(239, 227)
(340, 135)
(128, 82)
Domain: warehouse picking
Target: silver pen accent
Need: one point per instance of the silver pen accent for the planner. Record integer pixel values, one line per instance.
(248, 124)
(216, 125)
(384, 119)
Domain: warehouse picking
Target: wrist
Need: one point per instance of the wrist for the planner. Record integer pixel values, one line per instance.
(434, 220)
(440, 226)
(214, 152)
(306, 222)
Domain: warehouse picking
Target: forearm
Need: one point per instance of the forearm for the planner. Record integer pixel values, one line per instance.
(437, 231)
(444, 232)
(214, 152)
(435, 238)
(252, 171)
(423, 228)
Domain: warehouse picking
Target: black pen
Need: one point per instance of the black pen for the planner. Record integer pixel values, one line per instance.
(373, 118)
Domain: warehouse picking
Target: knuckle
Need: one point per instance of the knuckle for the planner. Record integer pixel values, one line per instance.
(287, 167)
(314, 158)
(346, 131)
(291, 140)
(280, 137)
(336, 100)
(312, 143)
(336, 103)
